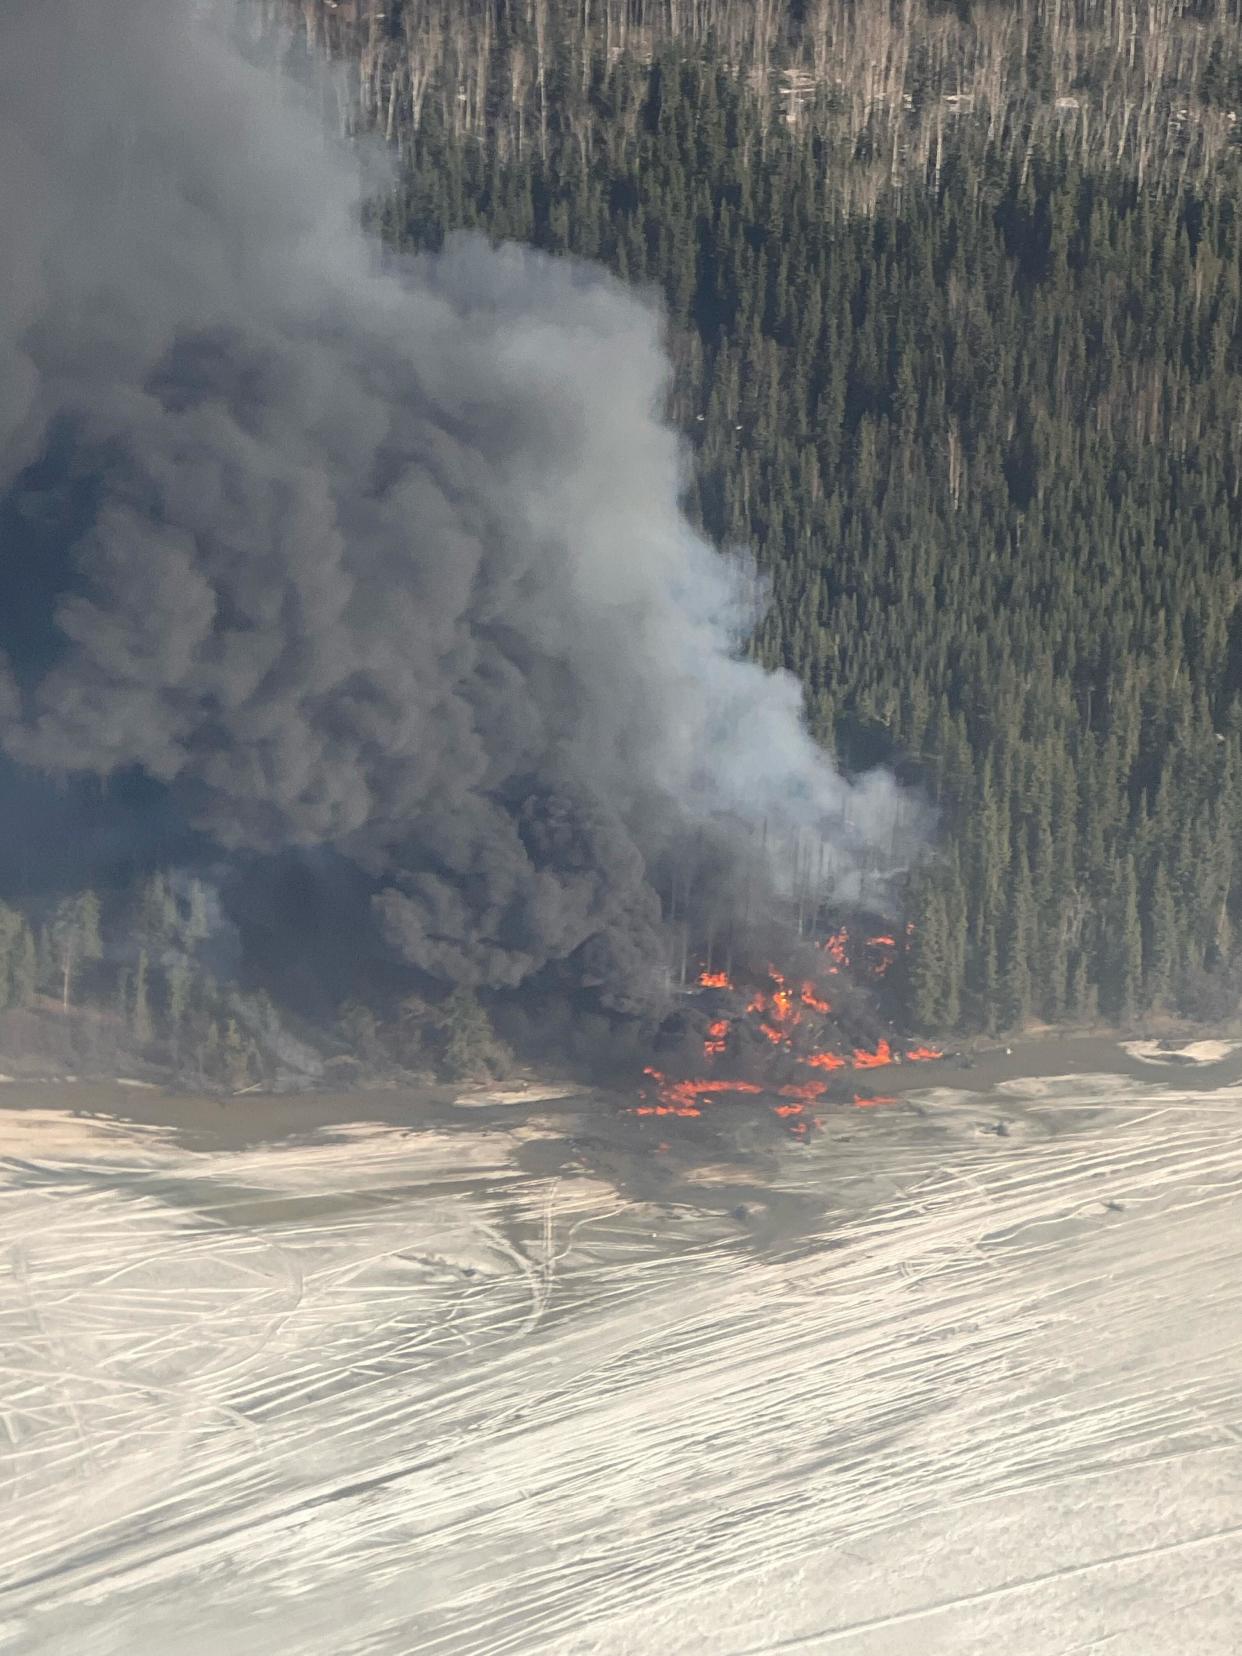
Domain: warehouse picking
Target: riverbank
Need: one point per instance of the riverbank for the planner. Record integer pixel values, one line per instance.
(1043, 1053)
(254, 1117)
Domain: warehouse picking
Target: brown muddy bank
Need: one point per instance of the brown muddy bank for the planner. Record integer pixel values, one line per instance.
(253, 1118)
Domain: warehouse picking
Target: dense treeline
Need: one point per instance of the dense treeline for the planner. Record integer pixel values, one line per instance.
(954, 299)
(985, 438)
(135, 973)
(144, 975)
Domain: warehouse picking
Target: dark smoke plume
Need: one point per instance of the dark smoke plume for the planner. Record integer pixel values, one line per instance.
(383, 558)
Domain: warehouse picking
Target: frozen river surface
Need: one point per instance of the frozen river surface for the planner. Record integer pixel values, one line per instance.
(962, 1376)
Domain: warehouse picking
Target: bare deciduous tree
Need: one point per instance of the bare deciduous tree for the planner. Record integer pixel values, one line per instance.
(882, 82)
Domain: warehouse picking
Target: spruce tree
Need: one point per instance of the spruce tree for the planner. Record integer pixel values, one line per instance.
(25, 968)
(140, 1025)
(1015, 990)
(930, 964)
(1159, 955)
(469, 1043)
(1121, 973)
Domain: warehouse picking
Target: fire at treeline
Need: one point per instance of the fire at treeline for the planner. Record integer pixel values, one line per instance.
(370, 707)
(161, 973)
(797, 1043)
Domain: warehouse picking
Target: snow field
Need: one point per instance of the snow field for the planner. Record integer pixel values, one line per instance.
(383, 1391)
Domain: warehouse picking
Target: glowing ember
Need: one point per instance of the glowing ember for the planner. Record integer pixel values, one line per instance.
(873, 1060)
(788, 1109)
(717, 1038)
(806, 1090)
(715, 980)
(881, 942)
(825, 1061)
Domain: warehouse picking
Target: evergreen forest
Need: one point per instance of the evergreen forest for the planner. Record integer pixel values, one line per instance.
(953, 301)
(952, 296)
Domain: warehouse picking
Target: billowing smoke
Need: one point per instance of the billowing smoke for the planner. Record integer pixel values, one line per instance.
(379, 556)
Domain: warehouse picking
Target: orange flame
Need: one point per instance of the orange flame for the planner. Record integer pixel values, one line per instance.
(836, 948)
(826, 1061)
(780, 1010)
(717, 1037)
(811, 999)
(873, 1060)
(686, 1097)
(805, 1090)
(888, 946)
(861, 1103)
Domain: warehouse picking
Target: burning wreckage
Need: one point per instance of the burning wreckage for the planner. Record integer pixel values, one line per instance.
(796, 1043)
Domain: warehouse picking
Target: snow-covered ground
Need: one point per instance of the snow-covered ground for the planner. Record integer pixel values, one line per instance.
(966, 1379)
(1190, 1052)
